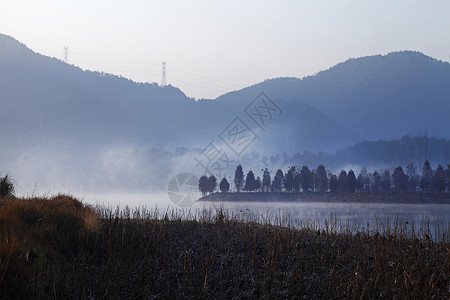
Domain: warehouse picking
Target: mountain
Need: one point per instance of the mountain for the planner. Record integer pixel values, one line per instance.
(377, 97)
(61, 125)
(43, 100)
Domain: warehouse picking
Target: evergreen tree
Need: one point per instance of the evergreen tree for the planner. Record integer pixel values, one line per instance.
(266, 181)
(385, 182)
(277, 183)
(238, 178)
(351, 181)
(250, 182)
(411, 170)
(334, 184)
(427, 176)
(342, 181)
(363, 180)
(289, 179)
(360, 183)
(439, 180)
(203, 185)
(376, 182)
(399, 180)
(323, 179)
(306, 179)
(315, 181)
(224, 185)
(258, 184)
(413, 178)
(297, 184)
(211, 184)
(447, 175)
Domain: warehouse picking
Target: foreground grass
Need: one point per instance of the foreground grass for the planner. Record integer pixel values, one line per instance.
(59, 248)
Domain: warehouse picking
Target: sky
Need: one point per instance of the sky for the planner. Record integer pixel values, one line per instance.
(213, 47)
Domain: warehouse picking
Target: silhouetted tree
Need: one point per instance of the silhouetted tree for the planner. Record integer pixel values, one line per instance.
(411, 170)
(315, 181)
(360, 183)
(376, 182)
(238, 178)
(342, 181)
(427, 176)
(211, 184)
(385, 182)
(297, 184)
(289, 179)
(439, 179)
(224, 185)
(250, 182)
(323, 179)
(266, 181)
(363, 180)
(277, 183)
(399, 180)
(413, 178)
(203, 185)
(351, 181)
(447, 175)
(306, 179)
(334, 184)
(258, 184)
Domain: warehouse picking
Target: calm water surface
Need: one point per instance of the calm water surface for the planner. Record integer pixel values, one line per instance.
(433, 219)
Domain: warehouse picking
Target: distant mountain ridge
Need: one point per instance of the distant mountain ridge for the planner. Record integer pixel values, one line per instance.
(53, 114)
(369, 98)
(379, 97)
(57, 101)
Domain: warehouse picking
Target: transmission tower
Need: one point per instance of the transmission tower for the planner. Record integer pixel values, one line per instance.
(66, 54)
(163, 75)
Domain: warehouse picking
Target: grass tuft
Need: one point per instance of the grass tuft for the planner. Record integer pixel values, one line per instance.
(6, 187)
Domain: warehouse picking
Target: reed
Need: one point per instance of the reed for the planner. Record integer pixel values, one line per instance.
(61, 248)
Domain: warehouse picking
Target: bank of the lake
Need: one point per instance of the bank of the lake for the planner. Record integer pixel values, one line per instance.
(401, 198)
(60, 248)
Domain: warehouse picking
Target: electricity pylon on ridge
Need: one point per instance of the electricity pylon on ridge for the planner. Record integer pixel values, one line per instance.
(66, 54)
(163, 75)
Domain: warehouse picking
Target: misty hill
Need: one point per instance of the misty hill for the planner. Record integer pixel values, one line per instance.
(377, 97)
(379, 154)
(53, 114)
(44, 100)
(44, 97)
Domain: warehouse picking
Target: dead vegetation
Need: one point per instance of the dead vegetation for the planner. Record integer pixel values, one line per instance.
(60, 248)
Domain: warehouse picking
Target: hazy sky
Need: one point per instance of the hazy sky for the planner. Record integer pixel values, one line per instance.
(212, 47)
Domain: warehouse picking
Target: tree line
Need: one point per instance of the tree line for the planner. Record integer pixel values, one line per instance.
(320, 180)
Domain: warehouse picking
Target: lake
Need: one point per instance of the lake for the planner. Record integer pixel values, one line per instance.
(433, 219)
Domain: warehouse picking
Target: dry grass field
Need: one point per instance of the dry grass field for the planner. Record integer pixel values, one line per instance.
(59, 248)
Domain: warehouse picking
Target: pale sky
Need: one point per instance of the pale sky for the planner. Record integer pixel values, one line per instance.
(212, 47)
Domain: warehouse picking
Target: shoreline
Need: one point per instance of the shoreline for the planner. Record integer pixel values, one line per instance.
(394, 198)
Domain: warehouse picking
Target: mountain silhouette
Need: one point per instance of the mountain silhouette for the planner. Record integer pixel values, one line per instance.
(59, 122)
(377, 97)
(44, 99)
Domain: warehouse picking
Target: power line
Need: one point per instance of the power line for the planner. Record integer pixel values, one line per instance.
(207, 78)
(141, 65)
(143, 69)
(196, 84)
(115, 64)
(114, 58)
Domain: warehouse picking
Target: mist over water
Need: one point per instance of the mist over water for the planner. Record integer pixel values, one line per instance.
(433, 219)
(149, 201)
